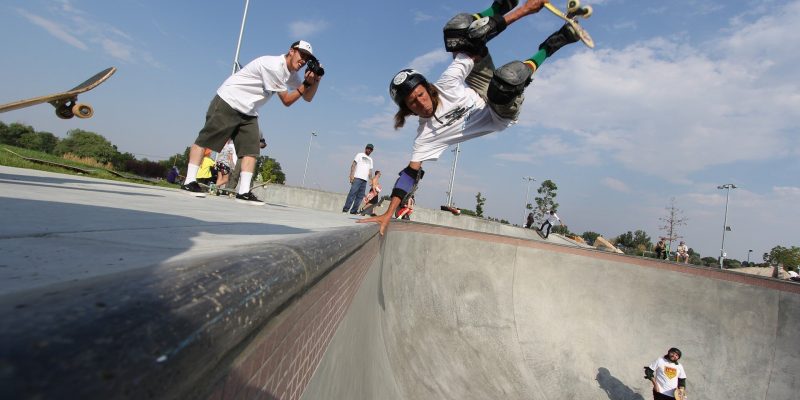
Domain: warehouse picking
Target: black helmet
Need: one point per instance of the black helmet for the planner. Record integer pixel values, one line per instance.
(403, 83)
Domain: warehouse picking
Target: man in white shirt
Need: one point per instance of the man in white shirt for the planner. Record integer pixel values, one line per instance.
(683, 252)
(360, 173)
(668, 376)
(233, 113)
(471, 98)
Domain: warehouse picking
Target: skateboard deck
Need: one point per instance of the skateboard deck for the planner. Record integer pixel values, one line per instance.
(585, 37)
(453, 210)
(538, 232)
(66, 103)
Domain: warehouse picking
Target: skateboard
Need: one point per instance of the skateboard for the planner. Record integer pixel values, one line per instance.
(453, 210)
(216, 191)
(574, 10)
(538, 232)
(66, 102)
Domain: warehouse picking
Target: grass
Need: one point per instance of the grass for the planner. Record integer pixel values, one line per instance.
(96, 170)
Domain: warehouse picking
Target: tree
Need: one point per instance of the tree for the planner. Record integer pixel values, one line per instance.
(11, 134)
(638, 240)
(590, 237)
(479, 203)
(789, 257)
(672, 221)
(546, 200)
(709, 261)
(87, 144)
(40, 141)
(271, 170)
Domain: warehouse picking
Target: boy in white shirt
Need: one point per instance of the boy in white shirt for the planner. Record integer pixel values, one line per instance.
(668, 376)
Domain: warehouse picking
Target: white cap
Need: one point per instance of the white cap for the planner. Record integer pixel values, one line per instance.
(302, 45)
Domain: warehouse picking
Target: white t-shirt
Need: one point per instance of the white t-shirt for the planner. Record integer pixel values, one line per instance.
(363, 166)
(683, 249)
(462, 114)
(228, 154)
(252, 86)
(667, 374)
(552, 218)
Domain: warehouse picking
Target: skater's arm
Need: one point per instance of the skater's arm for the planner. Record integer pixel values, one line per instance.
(352, 171)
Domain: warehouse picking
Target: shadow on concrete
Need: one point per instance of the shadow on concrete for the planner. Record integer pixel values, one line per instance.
(614, 388)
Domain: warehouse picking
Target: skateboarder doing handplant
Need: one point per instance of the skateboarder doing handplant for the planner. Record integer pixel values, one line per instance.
(233, 114)
(471, 98)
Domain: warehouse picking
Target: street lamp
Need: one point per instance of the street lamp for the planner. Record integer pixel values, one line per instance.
(527, 194)
(307, 157)
(453, 175)
(236, 66)
(748, 257)
(728, 187)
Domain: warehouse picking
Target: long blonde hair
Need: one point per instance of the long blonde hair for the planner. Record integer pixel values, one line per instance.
(404, 111)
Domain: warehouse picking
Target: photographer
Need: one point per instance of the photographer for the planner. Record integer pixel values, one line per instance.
(233, 114)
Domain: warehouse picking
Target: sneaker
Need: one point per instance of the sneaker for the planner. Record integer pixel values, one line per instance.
(559, 39)
(249, 198)
(194, 189)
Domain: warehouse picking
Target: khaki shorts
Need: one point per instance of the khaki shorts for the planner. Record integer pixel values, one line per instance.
(479, 80)
(223, 123)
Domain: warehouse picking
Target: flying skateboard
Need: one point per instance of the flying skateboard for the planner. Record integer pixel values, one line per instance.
(452, 209)
(66, 102)
(574, 10)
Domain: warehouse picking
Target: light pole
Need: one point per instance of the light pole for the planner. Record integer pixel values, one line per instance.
(307, 157)
(453, 175)
(236, 66)
(728, 187)
(748, 257)
(527, 194)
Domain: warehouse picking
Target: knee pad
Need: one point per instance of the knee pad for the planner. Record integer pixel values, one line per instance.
(406, 181)
(455, 33)
(508, 82)
(485, 29)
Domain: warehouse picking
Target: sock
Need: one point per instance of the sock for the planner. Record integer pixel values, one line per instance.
(491, 11)
(539, 57)
(244, 182)
(191, 174)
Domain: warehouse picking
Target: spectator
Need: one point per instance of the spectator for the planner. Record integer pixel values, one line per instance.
(683, 252)
(661, 249)
(360, 173)
(373, 197)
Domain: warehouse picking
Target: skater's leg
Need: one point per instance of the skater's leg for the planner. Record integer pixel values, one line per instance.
(499, 7)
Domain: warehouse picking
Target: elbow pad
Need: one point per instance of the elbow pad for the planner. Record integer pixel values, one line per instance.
(406, 181)
(648, 373)
(681, 382)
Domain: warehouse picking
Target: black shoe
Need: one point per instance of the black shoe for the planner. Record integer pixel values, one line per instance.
(249, 198)
(194, 189)
(559, 39)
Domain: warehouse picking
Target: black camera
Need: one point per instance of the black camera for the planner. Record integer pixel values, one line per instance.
(313, 65)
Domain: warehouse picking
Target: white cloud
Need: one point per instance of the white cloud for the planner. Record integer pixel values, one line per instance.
(54, 29)
(425, 63)
(669, 109)
(615, 184)
(420, 16)
(77, 28)
(305, 29)
(787, 191)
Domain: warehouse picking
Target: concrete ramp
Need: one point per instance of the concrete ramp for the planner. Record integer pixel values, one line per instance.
(448, 314)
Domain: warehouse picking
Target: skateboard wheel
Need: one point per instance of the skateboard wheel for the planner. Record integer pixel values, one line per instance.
(81, 110)
(587, 12)
(64, 112)
(572, 5)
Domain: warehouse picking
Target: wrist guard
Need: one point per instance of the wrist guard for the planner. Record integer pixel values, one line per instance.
(406, 182)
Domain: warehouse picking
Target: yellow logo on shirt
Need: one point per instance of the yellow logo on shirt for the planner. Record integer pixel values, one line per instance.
(670, 372)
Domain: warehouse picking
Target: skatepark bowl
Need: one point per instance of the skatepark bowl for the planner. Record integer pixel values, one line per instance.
(425, 312)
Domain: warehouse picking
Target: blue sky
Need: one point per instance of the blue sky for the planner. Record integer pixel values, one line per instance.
(677, 98)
